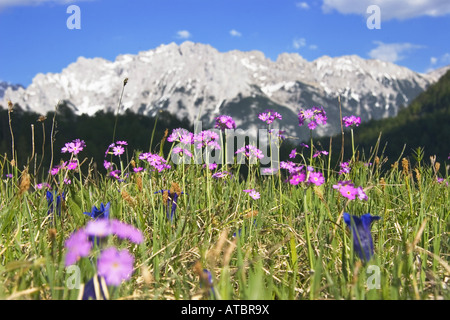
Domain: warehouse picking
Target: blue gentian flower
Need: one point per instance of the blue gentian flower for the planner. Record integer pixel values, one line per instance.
(50, 196)
(89, 290)
(103, 212)
(171, 199)
(362, 238)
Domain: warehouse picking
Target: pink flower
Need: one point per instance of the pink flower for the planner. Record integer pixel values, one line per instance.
(115, 266)
(316, 178)
(118, 150)
(348, 191)
(252, 193)
(361, 194)
(297, 178)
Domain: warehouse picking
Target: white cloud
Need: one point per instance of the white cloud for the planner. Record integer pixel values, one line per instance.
(312, 47)
(390, 9)
(183, 34)
(391, 52)
(433, 60)
(235, 33)
(302, 5)
(17, 3)
(297, 43)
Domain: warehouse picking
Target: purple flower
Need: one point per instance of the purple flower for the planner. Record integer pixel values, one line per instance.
(138, 169)
(156, 161)
(297, 178)
(123, 143)
(78, 245)
(115, 266)
(43, 185)
(181, 135)
(118, 150)
(251, 152)
(72, 165)
(316, 178)
(107, 164)
(361, 194)
(9, 175)
(351, 121)
(345, 168)
(253, 193)
(318, 153)
(269, 116)
(348, 191)
(74, 147)
(126, 231)
(293, 153)
(315, 115)
(99, 228)
(102, 212)
(224, 122)
(50, 197)
(211, 166)
(362, 238)
(222, 174)
(182, 151)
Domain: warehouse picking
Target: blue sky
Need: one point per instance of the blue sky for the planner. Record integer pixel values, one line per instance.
(35, 38)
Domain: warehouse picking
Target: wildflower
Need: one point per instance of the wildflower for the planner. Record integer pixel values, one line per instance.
(348, 191)
(67, 181)
(351, 121)
(293, 153)
(222, 174)
(74, 147)
(211, 166)
(297, 178)
(115, 266)
(118, 150)
(253, 193)
(42, 185)
(138, 169)
(361, 194)
(172, 196)
(89, 289)
(107, 164)
(251, 152)
(72, 165)
(278, 133)
(102, 212)
(115, 174)
(207, 138)
(54, 171)
(269, 116)
(224, 122)
(156, 161)
(126, 231)
(181, 134)
(50, 198)
(362, 238)
(316, 178)
(99, 228)
(9, 175)
(315, 115)
(78, 245)
(318, 153)
(345, 168)
(182, 151)
(122, 143)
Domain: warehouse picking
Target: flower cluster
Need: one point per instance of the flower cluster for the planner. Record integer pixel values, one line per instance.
(222, 175)
(155, 160)
(207, 138)
(269, 116)
(345, 167)
(348, 190)
(316, 116)
(351, 121)
(251, 152)
(181, 135)
(74, 147)
(224, 122)
(116, 148)
(71, 165)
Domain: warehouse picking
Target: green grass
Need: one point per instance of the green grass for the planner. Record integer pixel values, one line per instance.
(297, 248)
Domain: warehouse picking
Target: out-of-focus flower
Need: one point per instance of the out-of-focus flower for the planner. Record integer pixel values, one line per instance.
(351, 121)
(269, 116)
(102, 212)
(78, 245)
(224, 122)
(315, 116)
(253, 193)
(115, 266)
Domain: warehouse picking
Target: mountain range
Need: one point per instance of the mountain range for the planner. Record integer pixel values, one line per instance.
(195, 81)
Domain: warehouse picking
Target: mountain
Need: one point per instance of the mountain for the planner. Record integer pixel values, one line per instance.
(5, 85)
(424, 124)
(197, 82)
